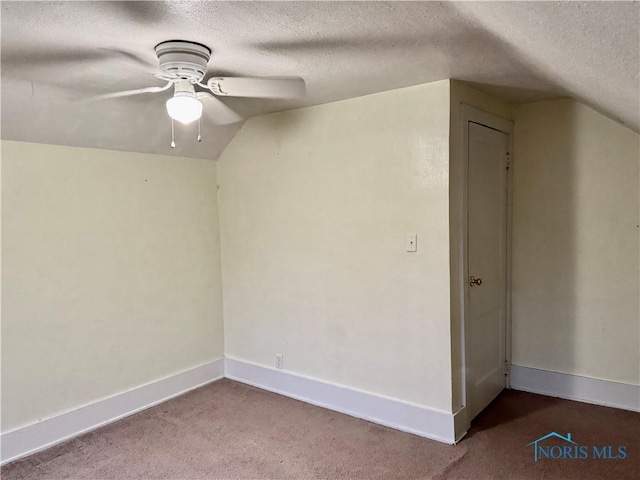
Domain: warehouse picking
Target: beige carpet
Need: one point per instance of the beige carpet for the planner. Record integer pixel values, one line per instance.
(227, 430)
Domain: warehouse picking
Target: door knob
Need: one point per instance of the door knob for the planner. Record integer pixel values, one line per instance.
(475, 281)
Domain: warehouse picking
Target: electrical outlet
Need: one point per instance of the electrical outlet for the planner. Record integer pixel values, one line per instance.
(279, 360)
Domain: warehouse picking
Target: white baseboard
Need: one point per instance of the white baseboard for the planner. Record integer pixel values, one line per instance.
(408, 417)
(46, 433)
(575, 387)
(460, 425)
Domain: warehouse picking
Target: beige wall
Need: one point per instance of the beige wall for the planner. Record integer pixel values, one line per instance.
(110, 274)
(315, 207)
(575, 243)
(462, 93)
(111, 271)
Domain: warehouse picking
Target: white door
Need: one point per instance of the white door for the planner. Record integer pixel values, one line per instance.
(487, 241)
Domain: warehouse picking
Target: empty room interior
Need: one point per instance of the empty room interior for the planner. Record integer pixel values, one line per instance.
(320, 240)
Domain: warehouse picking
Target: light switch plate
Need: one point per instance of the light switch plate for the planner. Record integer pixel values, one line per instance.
(412, 243)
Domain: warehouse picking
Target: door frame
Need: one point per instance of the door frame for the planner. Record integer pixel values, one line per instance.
(472, 114)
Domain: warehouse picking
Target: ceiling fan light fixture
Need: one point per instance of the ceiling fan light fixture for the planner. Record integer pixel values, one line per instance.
(184, 106)
(184, 109)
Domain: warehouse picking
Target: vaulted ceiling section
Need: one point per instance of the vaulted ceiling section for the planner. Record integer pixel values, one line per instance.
(55, 54)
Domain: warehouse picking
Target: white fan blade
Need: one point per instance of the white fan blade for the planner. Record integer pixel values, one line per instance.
(216, 111)
(257, 87)
(127, 93)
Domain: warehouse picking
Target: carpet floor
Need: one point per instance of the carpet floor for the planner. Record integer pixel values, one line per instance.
(227, 430)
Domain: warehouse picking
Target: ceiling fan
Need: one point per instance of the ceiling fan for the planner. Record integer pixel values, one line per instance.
(183, 66)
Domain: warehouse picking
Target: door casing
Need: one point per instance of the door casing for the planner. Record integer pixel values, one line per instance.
(471, 114)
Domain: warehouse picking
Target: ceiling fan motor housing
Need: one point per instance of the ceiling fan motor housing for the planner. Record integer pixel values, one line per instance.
(183, 60)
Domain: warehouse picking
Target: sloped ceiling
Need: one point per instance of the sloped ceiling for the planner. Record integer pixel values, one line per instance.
(55, 53)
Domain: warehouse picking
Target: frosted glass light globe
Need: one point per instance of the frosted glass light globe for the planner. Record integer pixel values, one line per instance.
(184, 108)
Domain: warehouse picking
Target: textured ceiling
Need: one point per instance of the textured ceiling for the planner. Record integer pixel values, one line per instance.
(54, 53)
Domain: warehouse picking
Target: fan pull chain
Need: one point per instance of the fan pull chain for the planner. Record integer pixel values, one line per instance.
(199, 136)
(173, 138)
